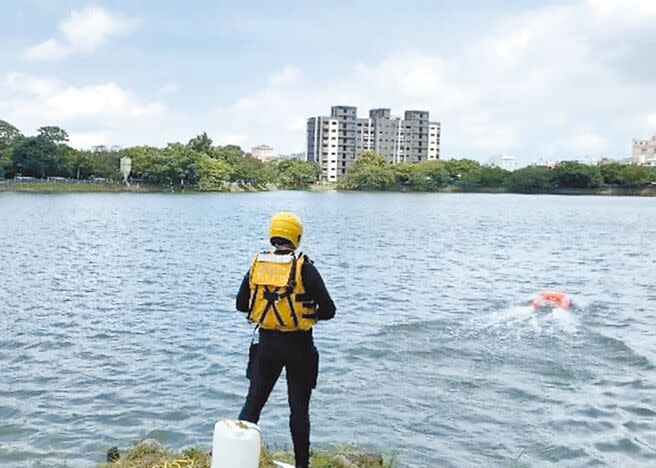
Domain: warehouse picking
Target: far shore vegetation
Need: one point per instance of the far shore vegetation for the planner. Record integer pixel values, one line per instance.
(28, 163)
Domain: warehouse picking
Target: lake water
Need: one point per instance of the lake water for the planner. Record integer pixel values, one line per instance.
(117, 323)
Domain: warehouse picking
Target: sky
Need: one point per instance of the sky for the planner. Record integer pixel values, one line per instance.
(531, 79)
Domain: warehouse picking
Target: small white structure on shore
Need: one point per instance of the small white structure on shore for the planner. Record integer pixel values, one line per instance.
(126, 168)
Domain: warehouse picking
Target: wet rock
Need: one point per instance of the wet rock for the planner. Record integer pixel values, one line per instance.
(113, 454)
(358, 460)
(340, 461)
(367, 460)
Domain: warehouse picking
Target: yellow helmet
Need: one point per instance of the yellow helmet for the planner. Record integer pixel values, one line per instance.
(288, 226)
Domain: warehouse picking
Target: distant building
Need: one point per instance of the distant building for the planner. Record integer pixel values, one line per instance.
(262, 152)
(608, 160)
(644, 152)
(546, 163)
(509, 163)
(335, 141)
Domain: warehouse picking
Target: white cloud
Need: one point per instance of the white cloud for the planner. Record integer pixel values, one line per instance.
(553, 79)
(98, 100)
(230, 139)
(50, 98)
(169, 88)
(30, 84)
(651, 121)
(86, 140)
(623, 11)
(49, 49)
(588, 143)
(99, 113)
(83, 31)
(557, 81)
(288, 75)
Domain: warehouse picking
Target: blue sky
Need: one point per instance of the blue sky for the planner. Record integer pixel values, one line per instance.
(533, 79)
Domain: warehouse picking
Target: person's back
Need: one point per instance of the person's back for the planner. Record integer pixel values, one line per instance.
(284, 294)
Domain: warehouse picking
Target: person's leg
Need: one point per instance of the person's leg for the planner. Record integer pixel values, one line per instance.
(265, 375)
(301, 378)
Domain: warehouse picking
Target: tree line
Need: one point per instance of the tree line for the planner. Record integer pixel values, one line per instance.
(202, 165)
(198, 163)
(372, 171)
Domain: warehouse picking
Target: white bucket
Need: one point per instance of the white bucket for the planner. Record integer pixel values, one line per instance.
(236, 444)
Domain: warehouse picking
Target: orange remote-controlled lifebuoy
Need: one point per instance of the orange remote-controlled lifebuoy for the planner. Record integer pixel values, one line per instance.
(554, 298)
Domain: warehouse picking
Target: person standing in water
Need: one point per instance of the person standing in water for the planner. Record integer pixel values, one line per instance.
(284, 295)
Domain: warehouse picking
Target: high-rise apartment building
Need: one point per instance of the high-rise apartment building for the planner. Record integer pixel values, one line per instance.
(335, 141)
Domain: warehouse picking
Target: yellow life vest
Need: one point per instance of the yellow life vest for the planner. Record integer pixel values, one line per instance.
(278, 299)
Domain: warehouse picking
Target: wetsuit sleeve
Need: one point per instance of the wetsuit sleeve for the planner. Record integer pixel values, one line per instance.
(244, 295)
(316, 290)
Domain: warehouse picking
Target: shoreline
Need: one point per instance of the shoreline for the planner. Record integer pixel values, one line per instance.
(150, 452)
(80, 187)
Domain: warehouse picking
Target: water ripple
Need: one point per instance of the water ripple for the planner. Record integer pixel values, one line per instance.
(117, 323)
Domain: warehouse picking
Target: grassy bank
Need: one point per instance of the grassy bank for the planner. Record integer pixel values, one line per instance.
(151, 454)
(58, 187)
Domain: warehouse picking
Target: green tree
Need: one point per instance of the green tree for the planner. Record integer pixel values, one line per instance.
(633, 176)
(529, 180)
(295, 174)
(458, 168)
(180, 164)
(369, 178)
(247, 170)
(409, 176)
(212, 173)
(201, 143)
(434, 174)
(55, 134)
(371, 158)
(9, 135)
(105, 162)
(9, 138)
(577, 175)
(370, 171)
(5, 163)
(35, 156)
(177, 164)
(484, 176)
(78, 164)
(145, 163)
(611, 173)
(229, 153)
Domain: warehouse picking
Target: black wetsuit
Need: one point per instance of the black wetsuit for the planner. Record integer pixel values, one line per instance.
(295, 351)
